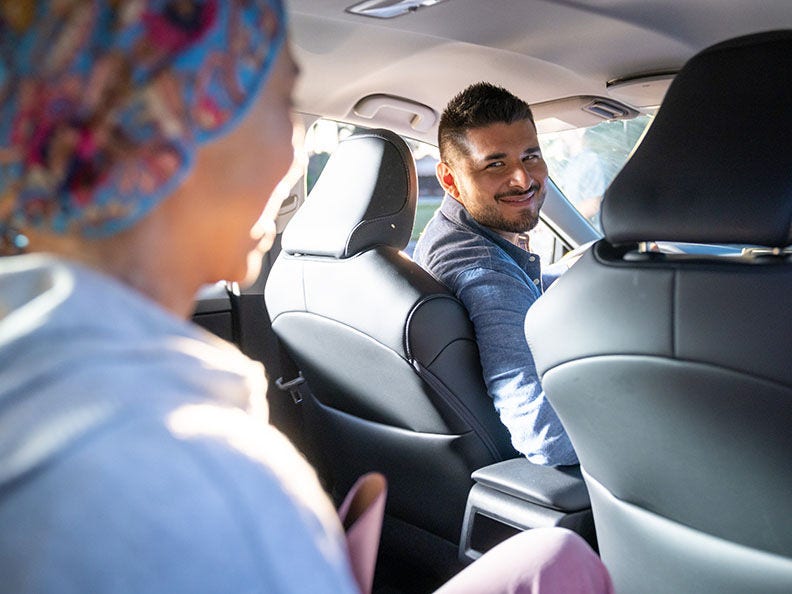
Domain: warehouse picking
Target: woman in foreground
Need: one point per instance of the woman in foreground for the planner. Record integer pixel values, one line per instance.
(140, 142)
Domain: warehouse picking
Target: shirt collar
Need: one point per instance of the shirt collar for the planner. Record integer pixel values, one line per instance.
(457, 213)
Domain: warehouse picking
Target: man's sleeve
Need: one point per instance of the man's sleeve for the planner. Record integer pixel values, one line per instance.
(497, 303)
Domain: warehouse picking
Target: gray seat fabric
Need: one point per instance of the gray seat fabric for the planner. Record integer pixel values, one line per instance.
(671, 373)
(389, 353)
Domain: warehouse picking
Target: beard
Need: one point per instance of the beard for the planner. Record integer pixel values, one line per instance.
(519, 221)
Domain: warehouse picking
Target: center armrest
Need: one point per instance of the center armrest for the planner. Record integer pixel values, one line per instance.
(515, 495)
(560, 487)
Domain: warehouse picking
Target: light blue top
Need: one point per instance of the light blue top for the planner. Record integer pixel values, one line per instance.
(497, 282)
(135, 455)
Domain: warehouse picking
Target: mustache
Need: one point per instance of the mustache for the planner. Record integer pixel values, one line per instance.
(517, 192)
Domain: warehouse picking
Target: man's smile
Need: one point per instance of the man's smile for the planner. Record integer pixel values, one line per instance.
(516, 196)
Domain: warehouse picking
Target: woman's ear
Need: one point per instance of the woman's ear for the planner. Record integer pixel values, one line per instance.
(447, 179)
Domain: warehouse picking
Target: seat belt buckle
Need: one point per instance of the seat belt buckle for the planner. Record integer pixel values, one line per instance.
(292, 386)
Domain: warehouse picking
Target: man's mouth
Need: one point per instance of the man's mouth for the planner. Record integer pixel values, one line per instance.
(516, 196)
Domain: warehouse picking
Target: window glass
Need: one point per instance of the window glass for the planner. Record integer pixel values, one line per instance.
(320, 141)
(581, 162)
(584, 161)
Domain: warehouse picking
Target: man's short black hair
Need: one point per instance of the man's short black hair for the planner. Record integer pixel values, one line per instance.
(479, 105)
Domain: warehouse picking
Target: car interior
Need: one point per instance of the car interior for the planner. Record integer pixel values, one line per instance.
(354, 313)
(661, 348)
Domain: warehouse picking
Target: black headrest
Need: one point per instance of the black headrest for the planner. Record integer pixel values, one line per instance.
(365, 196)
(716, 164)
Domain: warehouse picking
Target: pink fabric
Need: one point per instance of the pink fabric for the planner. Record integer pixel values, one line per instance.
(361, 515)
(538, 561)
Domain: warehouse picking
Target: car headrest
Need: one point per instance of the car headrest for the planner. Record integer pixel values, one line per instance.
(716, 164)
(365, 196)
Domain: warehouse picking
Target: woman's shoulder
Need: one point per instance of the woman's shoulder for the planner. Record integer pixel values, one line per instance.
(202, 482)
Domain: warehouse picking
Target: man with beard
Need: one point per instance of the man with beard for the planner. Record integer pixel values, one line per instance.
(492, 171)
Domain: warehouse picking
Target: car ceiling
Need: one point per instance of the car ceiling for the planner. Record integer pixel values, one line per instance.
(542, 50)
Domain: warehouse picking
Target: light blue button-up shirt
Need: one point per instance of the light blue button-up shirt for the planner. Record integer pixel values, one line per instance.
(497, 282)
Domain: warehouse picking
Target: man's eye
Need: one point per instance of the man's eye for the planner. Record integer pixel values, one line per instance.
(494, 164)
(532, 157)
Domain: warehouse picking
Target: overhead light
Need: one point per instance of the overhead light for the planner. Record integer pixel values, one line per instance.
(388, 9)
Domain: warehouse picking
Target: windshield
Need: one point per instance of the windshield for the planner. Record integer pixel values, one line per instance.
(584, 161)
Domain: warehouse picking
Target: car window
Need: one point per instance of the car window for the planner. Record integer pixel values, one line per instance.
(582, 163)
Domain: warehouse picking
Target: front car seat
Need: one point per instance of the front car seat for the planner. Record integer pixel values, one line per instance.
(389, 354)
(674, 381)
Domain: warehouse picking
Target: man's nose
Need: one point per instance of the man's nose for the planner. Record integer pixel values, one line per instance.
(521, 176)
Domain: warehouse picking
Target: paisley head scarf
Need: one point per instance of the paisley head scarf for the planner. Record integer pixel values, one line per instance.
(104, 102)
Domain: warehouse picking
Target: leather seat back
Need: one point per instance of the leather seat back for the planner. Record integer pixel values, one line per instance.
(389, 353)
(673, 379)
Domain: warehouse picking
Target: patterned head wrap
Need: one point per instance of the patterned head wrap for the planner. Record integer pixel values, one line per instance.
(103, 102)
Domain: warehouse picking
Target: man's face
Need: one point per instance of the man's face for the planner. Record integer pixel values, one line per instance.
(500, 178)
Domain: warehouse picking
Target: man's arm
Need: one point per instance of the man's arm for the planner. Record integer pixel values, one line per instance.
(497, 303)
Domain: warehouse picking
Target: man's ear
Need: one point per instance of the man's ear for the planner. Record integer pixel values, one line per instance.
(447, 179)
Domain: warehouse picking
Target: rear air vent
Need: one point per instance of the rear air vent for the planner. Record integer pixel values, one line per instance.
(388, 9)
